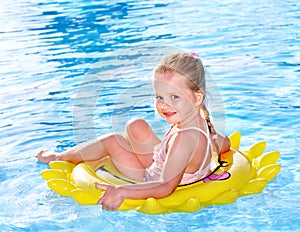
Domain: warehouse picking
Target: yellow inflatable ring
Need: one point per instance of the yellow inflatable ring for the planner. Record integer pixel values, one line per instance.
(249, 171)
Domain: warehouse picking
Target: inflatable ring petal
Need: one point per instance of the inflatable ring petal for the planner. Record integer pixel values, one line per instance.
(85, 197)
(61, 186)
(53, 174)
(254, 186)
(255, 150)
(235, 139)
(269, 172)
(267, 159)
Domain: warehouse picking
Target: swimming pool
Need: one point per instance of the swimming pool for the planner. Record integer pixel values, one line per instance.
(49, 50)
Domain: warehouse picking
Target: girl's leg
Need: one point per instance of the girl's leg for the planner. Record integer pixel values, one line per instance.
(113, 145)
(142, 140)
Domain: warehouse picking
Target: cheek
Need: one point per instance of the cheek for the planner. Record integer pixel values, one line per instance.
(184, 106)
(158, 105)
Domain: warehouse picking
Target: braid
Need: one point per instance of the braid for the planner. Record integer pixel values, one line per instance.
(214, 135)
(211, 130)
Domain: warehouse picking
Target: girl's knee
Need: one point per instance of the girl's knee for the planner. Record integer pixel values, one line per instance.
(136, 124)
(138, 129)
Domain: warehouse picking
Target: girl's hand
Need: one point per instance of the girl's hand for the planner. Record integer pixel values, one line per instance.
(112, 198)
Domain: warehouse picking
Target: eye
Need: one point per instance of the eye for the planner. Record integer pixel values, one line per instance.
(174, 97)
(159, 98)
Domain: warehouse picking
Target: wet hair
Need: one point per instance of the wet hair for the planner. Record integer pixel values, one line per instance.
(189, 65)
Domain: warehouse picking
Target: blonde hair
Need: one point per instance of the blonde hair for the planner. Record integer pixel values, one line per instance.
(190, 66)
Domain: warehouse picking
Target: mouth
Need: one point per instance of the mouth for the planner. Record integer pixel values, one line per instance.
(169, 114)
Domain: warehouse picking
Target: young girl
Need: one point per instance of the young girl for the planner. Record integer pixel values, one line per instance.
(183, 156)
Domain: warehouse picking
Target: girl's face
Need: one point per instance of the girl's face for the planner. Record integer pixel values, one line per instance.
(174, 100)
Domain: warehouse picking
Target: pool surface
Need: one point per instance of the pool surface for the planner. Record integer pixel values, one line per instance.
(73, 70)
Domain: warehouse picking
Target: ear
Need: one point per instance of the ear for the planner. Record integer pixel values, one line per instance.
(199, 97)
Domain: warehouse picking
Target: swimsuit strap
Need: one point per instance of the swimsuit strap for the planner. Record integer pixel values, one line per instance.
(196, 128)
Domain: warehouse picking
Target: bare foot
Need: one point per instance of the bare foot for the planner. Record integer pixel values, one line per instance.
(47, 156)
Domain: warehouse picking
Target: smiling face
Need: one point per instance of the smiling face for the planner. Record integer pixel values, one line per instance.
(174, 100)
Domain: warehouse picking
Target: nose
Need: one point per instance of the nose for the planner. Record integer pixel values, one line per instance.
(165, 105)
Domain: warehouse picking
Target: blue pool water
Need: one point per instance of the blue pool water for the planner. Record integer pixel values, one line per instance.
(52, 98)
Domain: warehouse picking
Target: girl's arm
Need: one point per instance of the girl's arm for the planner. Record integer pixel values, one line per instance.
(223, 142)
(115, 195)
(179, 153)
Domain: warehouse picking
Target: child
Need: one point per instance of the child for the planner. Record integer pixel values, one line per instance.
(184, 155)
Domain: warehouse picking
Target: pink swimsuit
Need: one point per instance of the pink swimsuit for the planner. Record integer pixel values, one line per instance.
(154, 171)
